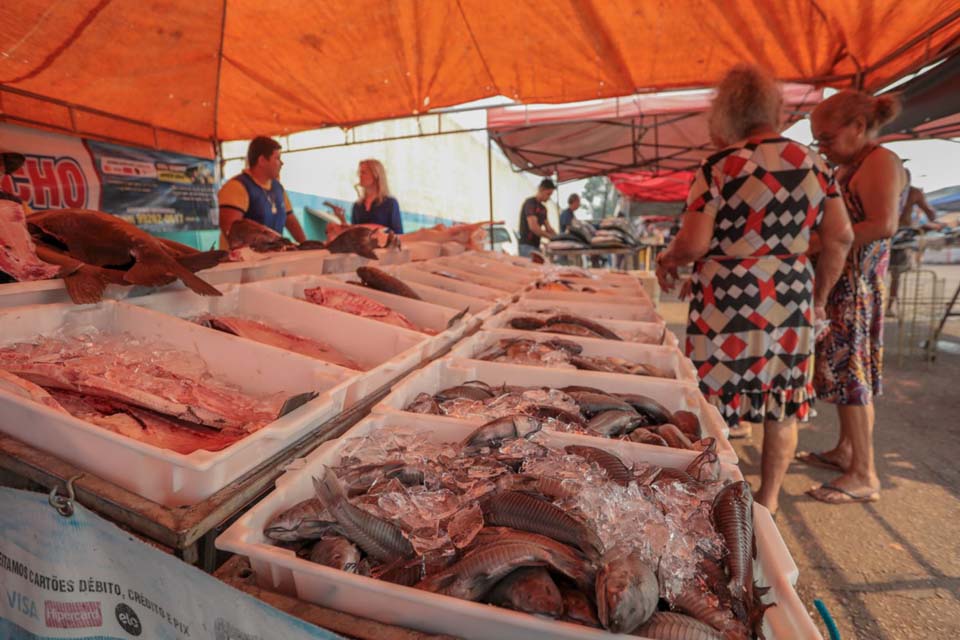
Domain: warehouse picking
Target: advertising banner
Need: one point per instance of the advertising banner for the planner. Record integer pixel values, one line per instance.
(82, 578)
(156, 190)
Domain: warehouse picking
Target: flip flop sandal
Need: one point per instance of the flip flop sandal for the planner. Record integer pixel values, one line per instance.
(815, 459)
(841, 496)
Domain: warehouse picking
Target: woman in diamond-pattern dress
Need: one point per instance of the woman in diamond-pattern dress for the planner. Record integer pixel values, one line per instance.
(849, 360)
(750, 212)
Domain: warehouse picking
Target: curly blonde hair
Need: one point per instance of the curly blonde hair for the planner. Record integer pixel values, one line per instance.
(747, 99)
(849, 104)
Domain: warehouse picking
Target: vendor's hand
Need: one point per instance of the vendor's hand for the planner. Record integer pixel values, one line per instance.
(666, 275)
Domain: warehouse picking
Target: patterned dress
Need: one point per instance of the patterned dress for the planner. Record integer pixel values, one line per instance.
(849, 361)
(750, 331)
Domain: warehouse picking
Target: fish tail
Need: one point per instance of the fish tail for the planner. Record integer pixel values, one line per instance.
(195, 283)
(202, 260)
(85, 286)
(328, 489)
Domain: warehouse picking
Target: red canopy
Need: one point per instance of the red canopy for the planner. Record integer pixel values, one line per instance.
(651, 187)
(657, 133)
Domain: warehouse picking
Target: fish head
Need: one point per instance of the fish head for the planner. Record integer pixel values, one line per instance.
(526, 426)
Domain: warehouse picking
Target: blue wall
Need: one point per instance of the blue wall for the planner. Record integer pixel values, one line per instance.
(315, 228)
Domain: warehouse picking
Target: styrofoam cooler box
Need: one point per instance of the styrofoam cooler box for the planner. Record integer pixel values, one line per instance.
(423, 314)
(487, 267)
(392, 256)
(607, 282)
(158, 474)
(288, 263)
(384, 350)
(434, 295)
(422, 250)
(673, 395)
(344, 262)
(666, 358)
(410, 274)
(653, 331)
(491, 282)
(281, 570)
(612, 296)
(639, 312)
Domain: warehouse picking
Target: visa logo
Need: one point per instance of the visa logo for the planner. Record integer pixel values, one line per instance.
(23, 604)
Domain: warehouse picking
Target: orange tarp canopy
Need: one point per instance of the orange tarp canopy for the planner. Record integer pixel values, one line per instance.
(182, 73)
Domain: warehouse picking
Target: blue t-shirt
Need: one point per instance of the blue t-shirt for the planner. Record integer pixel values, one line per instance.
(386, 213)
(566, 217)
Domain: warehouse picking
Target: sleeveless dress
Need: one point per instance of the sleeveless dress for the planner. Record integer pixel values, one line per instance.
(849, 362)
(750, 331)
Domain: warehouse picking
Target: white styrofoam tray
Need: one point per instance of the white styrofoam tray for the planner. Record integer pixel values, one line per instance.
(422, 250)
(486, 267)
(423, 314)
(162, 475)
(410, 273)
(675, 396)
(288, 263)
(280, 570)
(665, 358)
(603, 296)
(639, 312)
(434, 295)
(652, 331)
(492, 282)
(386, 351)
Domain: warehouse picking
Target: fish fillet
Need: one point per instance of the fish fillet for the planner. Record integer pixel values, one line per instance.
(358, 305)
(264, 333)
(147, 374)
(25, 389)
(18, 253)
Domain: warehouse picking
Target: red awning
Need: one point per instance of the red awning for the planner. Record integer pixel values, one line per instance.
(651, 187)
(656, 133)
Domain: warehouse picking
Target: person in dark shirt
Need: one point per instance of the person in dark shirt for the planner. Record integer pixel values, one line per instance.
(533, 219)
(567, 215)
(376, 205)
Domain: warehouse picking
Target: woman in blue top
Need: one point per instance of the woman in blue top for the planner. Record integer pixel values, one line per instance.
(376, 205)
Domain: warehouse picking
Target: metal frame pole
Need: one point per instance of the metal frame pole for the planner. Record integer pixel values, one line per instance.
(490, 186)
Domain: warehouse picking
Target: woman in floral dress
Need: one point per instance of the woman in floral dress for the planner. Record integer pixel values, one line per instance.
(849, 360)
(750, 212)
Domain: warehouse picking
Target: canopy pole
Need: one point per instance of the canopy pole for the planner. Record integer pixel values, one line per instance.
(490, 184)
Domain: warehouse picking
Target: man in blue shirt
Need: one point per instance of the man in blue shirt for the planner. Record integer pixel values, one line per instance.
(256, 194)
(566, 216)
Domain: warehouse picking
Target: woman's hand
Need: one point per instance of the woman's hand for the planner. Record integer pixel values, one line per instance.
(337, 211)
(666, 271)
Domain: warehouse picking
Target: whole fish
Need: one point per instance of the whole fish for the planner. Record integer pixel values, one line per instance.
(695, 601)
(668, 474)
(645, 436)
(473, 576)
(549, 412)
(358, 305)
(595, 327)
(336, 552)
(383, 281)
(466, 392)
(480, 384)
(627, 593)
(104, 240)
(306, 520)
(381, 539)
(526, 323)
(673, 436)
(687, 422)
(531, 590)
(615, 422)
(581, 389)
(607, 365)
(569, 330)
(551, 488)
(733, 520)
(493, 433)
(578, 608)
(593, 403)
(424, 403)
(355, 239)
(566, 346)
(260, 238)
(657, 413)
(664, 625)
(706, 466)
(529, 513)
(616, 470)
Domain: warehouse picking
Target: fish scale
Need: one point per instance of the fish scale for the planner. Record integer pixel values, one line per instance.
(616, 470)
(733, 519)
(664, 625)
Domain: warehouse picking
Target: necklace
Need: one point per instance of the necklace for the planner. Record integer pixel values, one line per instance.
(273, 205)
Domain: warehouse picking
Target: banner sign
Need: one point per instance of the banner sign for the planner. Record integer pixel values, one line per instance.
(82, 578)
(156, 190)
